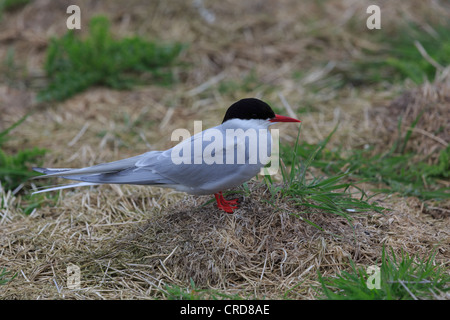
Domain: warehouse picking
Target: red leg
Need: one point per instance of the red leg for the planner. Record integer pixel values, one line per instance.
(229, 202)
(225, 205)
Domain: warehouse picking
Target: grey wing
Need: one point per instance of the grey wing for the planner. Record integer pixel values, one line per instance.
(210, 174)
(117, 172)
(99, 168)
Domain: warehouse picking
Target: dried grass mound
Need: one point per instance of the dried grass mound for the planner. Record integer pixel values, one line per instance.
(429, 105)
(260, 249)
(127, 248)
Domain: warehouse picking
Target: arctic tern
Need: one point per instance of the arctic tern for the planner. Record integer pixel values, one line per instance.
(209, 162)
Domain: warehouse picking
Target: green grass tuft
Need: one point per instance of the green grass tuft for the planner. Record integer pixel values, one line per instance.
(400, 278)
(329, 194)
(406, 59)
(10, 5)
(400, 57)
(74, 64)
(15, 168)
(395, 169)
(15, 171)
(397, 172)
(3, 276)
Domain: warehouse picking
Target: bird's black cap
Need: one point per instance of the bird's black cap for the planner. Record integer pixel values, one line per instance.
(249, 108)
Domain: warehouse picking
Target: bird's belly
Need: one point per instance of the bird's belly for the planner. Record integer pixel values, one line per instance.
(221, 163)
(230, 178)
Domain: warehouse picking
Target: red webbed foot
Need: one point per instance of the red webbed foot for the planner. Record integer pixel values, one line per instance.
(225, 205)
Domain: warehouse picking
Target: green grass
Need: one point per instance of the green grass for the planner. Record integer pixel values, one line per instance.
(395, 170)
(400, 278)
(73, 64)
(15, 171)
(400, 57)
(10, 5)
(3, 276)
(331, 194)
(406, 58)
(15, 168)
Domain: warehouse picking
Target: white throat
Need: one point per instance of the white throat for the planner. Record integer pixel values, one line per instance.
(246, 124)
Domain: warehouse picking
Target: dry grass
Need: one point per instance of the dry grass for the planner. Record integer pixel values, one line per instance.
(128, 247)
(430, 104)
(130, 242)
